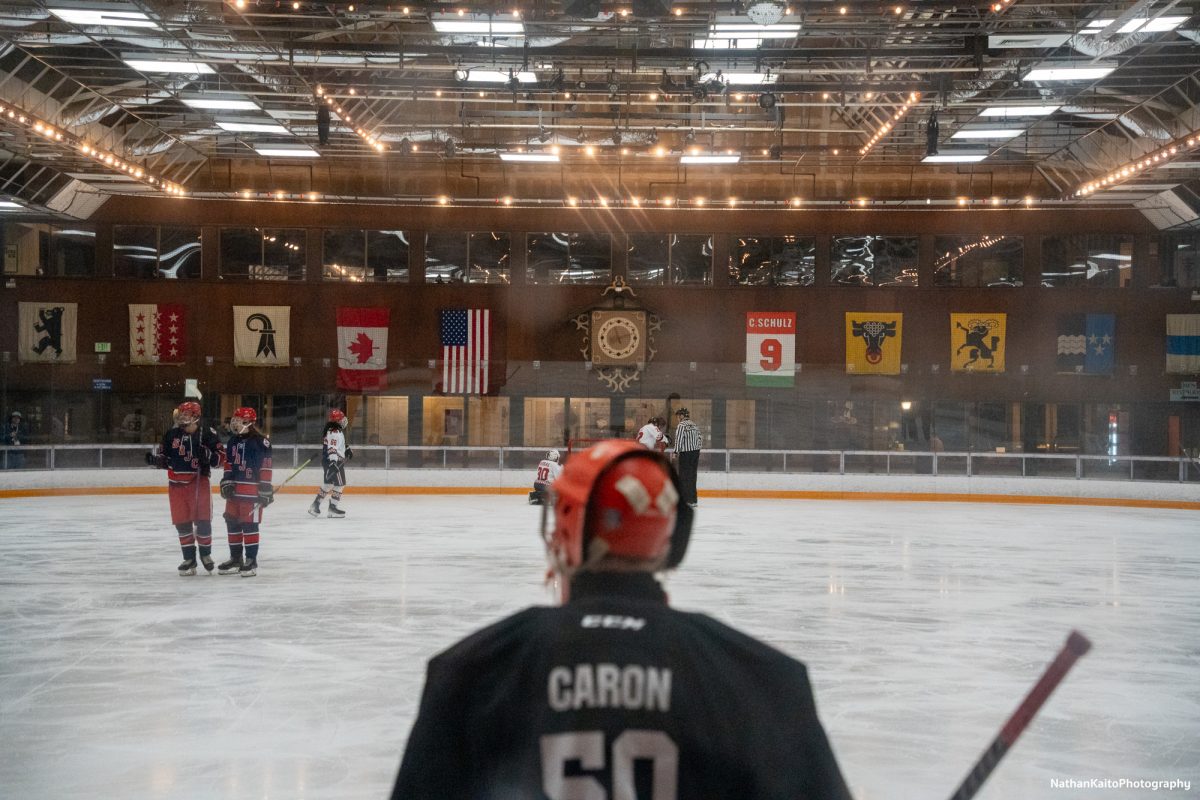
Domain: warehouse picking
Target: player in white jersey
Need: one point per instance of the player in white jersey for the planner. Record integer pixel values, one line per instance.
(651, 435)
(548, 470)
(334, 455)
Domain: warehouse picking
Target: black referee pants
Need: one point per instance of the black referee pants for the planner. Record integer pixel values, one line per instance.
(689, 464)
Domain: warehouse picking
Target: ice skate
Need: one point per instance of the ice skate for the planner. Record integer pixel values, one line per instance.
(249, 569)
(188, 567)
(207, 562)
(335, 512)
(230, 567)
(314, 510)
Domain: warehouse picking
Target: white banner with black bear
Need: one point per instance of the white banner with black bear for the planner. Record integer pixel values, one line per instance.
(47, 334)
(260, 336)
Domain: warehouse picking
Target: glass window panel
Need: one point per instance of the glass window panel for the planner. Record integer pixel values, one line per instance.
(135, 251)
(739, 424)
(691, 258)
(387, 255)
(649, 258)
(1087, 260)
(283, 255)
(579, 258)
(874, 261)
(446, 257)
(387, 420)
(978, 261)
(179, 252)
(443, 421)
(487, 421)
(26, 248)
(639, 411)
(545, 425)
(240, 248)
(72, 251)
(344, 255)
(489, 253)
(772, 260)
(590, 418)
(1178, 256)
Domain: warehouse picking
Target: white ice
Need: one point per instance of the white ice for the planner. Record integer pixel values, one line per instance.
(923, 625)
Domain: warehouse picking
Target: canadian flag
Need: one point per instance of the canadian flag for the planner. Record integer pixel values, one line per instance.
(362, 348)
(158, 334)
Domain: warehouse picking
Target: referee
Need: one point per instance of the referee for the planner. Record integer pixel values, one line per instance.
(687, 450)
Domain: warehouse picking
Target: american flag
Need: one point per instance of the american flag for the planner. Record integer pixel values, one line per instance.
(466, 337)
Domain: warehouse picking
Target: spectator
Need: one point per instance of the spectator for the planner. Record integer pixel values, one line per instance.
(15, 434)
(687, 452)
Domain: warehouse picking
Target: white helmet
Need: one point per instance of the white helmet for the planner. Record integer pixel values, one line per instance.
(552, 456)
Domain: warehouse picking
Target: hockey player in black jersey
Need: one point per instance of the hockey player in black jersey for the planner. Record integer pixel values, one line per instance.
(614, 694)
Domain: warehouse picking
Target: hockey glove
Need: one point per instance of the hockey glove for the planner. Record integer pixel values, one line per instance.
(349, 454)
(228, 489)
(266, 495)
(156, 460)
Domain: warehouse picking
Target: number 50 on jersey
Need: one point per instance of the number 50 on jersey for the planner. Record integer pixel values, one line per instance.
(770, 348)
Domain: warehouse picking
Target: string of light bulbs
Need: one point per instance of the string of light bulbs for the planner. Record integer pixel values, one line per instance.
(1138, 165)
(371, 140)
(891, 124)
(15, 115)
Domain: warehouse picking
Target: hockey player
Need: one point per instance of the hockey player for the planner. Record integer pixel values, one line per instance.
(614, 693)
(334, 455)
(548, 470)
(188, 455)
(246, 487)
(651, 435)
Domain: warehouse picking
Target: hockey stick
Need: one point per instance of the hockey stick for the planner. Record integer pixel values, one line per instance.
(1077, 644)
(295, 473)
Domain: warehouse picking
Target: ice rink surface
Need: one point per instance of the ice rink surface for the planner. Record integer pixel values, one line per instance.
(923, 625)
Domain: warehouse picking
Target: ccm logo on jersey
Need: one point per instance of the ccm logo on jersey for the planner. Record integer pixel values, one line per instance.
(612, 621)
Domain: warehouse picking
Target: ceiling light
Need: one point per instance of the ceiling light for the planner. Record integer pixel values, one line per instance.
(181, 67)
(218, 104)
(483, 26)
(496, 76)
(739, 78)
(1064, 71)
(962, 157)
(734, 30)
(766, 101)
(988, 133)
(252, 127)
(709, 159)
(287, 151)
(1161, 24)
(1017, 111)
(545, 158)
(113, 19)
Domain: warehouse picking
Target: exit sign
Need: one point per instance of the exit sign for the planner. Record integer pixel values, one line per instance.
(103, 347)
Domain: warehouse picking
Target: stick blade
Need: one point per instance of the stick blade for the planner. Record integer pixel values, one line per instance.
(1078, 644)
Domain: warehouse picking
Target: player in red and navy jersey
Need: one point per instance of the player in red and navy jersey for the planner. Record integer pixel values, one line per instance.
(188, 454)
(615, 694)
(246, 487)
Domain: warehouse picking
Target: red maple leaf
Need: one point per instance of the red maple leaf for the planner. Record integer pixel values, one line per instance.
(362, 347)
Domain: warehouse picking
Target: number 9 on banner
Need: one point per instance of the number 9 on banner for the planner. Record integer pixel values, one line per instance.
(770, 348)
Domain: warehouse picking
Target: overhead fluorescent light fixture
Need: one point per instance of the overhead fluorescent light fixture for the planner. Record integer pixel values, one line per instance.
(740, 30)
(986, 133)
(221, 104)
(253, 127)
(712, 159)
(485, 26)
(1156, 25)
(1018, 111)
(1081, 71)
(111, 19)
(174, 67)
(740, 78)
(542, 158)
(962, 157)
(496, 76)
(1163, 24)
(285, 151)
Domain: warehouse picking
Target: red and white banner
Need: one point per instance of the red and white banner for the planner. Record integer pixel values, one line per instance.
(158, 334)
(770, 348)
(362, 348)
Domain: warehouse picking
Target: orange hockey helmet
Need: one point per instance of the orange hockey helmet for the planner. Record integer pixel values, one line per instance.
(624, 496)
(187, 413)
(243, 419)
(338, 416)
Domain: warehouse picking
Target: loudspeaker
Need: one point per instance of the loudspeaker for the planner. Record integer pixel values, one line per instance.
(323, 124)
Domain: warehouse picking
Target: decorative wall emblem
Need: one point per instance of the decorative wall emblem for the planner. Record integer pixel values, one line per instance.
(618, 336)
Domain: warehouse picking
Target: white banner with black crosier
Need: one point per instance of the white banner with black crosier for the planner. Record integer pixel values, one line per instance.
(260, 336)
(47, 333)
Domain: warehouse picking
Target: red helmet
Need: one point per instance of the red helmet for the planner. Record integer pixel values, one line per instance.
(243, 419)
(338, 416)
(188, 412)
(624, 495)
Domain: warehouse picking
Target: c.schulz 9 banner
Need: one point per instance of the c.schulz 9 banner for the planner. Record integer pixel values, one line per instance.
(770, 348)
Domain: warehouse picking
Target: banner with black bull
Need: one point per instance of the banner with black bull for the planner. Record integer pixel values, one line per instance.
(47, 333)
(261, 335)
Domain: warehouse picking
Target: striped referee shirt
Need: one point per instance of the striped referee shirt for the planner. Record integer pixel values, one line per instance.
(687, 436)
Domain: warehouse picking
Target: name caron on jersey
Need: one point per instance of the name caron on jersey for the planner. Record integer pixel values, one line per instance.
(612, 621)
(609, 686)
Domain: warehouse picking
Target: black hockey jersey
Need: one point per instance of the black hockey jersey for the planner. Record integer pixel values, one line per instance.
(185, 455)
(616, 695)
(248, 465)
